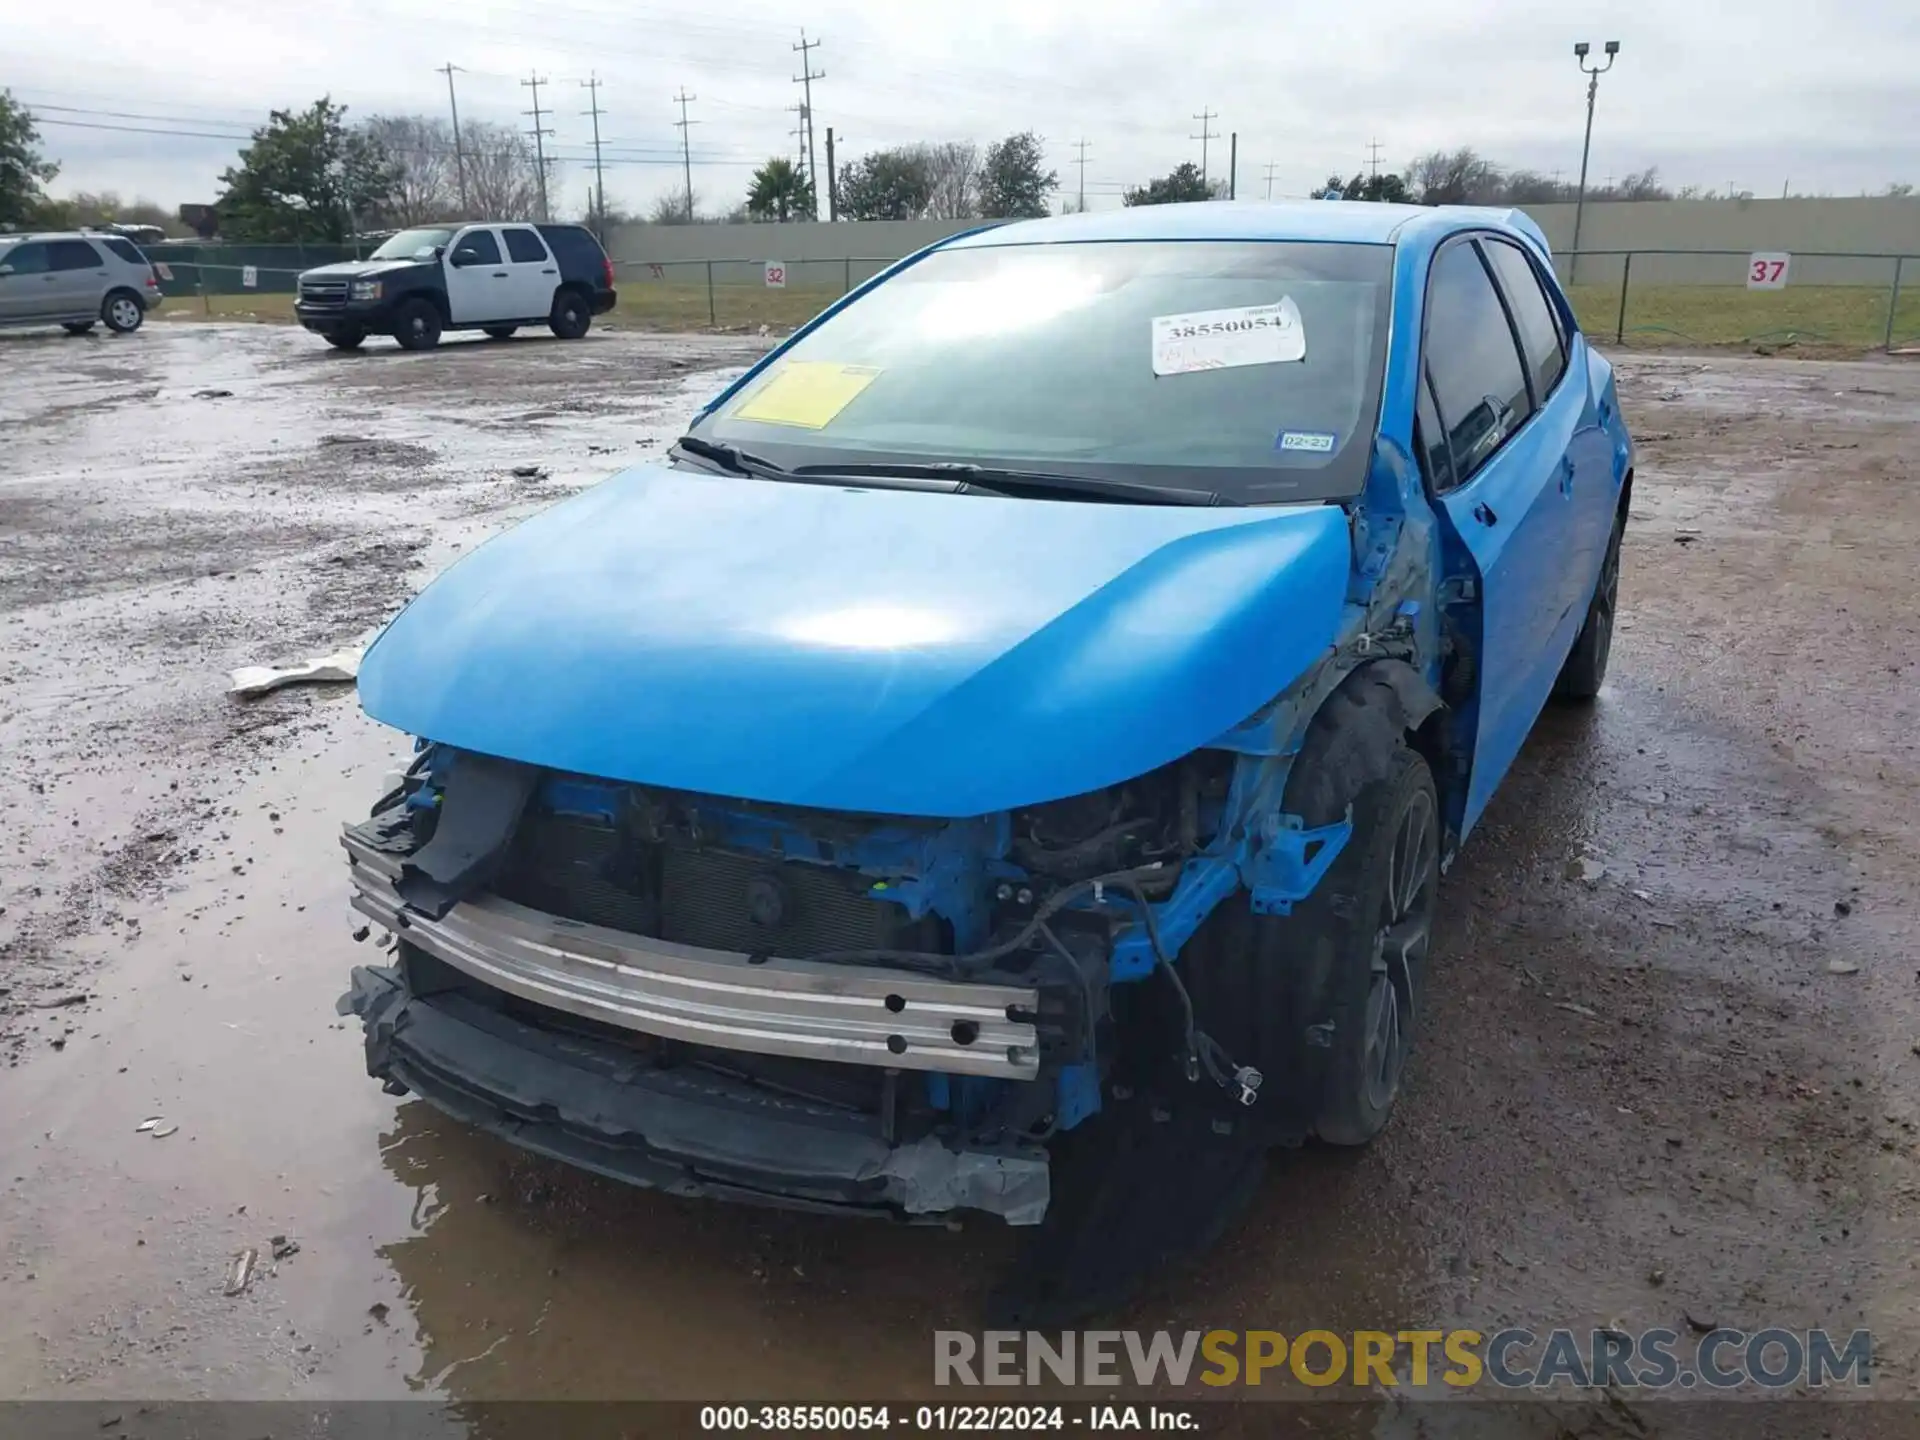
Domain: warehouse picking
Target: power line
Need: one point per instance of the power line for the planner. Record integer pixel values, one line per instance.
(686, 154)
(592, 86)
(1207, 132)
(805, 79)
(534, 82)
(459, 155)
(1081, 161)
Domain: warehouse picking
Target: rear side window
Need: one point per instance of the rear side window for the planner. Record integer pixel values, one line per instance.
(1478, 384)
(523, 246)
(126, 251)
(481, 245)
(72, 255)
(27, 259)
(1532, 314)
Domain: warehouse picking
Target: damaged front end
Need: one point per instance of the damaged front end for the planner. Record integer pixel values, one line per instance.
(797, 1007)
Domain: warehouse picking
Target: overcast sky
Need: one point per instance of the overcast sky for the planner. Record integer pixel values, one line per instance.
(1818, 94)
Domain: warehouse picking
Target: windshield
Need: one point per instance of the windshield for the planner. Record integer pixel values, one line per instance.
(412, 245)
(1249, 369)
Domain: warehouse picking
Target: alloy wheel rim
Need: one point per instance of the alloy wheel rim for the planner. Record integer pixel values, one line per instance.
(1400, 946)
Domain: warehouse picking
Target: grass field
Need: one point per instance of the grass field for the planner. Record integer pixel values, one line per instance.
(1853, 317)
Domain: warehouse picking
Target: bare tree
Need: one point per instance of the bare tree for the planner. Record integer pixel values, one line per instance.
(423, 149)
(671, 209)
(1455, 177)
(503, 177)
(1642, 185)
(1530, 187)
(954, 168)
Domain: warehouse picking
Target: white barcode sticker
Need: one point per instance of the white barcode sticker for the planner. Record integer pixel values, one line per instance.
(1220, 339)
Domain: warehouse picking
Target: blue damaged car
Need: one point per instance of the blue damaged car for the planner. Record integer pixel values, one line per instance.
(1042, 693)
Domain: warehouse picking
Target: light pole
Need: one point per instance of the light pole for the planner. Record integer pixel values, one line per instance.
(1593, 74)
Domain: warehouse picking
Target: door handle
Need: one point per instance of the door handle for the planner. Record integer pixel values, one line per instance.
(1483, 512)
(499, 274)
(1566, 475)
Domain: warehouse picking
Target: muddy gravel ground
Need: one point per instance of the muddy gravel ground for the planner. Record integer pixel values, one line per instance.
(1669, 1076)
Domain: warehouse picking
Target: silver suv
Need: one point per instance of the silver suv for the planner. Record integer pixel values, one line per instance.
(75, 280)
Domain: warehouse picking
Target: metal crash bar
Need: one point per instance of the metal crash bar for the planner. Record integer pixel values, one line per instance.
(855, 1014)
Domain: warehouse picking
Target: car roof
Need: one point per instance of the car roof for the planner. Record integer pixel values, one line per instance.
(1349, 221)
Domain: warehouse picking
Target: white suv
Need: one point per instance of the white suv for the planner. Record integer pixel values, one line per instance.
(75, 280)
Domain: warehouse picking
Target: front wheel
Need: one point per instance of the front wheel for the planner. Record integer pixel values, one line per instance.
(1322, 1001)
(123, 312)
(571, 317)
(417, 326)
(1586, 663)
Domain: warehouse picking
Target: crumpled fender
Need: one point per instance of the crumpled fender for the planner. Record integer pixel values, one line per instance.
(884, 651)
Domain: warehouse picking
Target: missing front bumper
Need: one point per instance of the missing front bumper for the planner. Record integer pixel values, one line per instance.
(688, 1130)
(893, 1019)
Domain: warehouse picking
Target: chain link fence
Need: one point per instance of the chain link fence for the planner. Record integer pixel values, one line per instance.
(1638, 298)
(1630, 297)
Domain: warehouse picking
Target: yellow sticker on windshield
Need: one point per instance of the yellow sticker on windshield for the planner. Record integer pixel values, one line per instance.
(807, 393)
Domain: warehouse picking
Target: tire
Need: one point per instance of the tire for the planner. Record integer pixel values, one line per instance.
(1322, 1001)
(501, 332)
(346, 339)
(571, 317)
(78, 327)
(1586, 663)
(417, 325)
(122, 311)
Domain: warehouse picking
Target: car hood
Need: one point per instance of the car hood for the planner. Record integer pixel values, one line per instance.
(886, 651)
(360, 269)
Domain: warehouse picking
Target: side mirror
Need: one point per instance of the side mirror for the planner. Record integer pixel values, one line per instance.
(6, 269)
(466, 255)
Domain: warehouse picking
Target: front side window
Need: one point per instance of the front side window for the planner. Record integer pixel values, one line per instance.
(477, 247)
(523, 246)
(1249, 369)
(1478, 383)
(28, 258)
(1532, 315)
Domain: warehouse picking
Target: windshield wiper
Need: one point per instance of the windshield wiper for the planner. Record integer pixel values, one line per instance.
(972, 477)
(730, 458)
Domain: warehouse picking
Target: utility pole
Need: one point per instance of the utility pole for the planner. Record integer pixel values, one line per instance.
(534, 82)
(1207, 132)
(1272, 165)
(1233, 167)
(459, 155)
(1373, 163)
(686, 149)
(1081, 161)
(592, 84)
(1593, 74)
(833, 183)
(805, 79)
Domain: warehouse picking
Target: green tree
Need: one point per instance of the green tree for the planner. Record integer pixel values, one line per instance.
(23, 169)
(1183, 183)
(1390, 188)
(1012, 184)
(780, 192)
(887, 185)
(306, 176)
